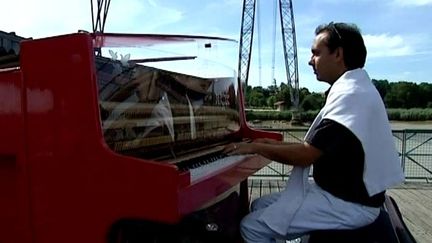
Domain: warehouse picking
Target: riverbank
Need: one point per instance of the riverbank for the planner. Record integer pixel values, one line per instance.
(396, 125)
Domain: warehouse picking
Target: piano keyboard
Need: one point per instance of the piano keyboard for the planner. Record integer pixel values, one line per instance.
(201, 167)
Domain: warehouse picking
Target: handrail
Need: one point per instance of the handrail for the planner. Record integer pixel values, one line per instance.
(414, 147)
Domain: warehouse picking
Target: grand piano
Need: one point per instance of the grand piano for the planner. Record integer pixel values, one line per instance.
(105, 141)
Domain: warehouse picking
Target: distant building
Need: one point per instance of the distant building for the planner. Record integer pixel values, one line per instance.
(9, 49)
(280, 105)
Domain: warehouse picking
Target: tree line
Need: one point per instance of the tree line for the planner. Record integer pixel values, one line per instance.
(397, 95)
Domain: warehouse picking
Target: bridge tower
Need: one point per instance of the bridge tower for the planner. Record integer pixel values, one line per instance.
(289, 45)
(99, 13)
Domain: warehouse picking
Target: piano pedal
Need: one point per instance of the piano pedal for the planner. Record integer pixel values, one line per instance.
(217, 223)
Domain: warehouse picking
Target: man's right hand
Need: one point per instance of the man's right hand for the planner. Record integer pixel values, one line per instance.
(267, 140)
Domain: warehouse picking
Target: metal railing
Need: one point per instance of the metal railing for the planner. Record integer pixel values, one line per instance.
(414, 147)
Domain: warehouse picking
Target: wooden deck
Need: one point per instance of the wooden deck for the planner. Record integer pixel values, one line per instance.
(414, 201)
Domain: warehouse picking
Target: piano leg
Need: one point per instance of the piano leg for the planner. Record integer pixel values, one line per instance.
(244, 198)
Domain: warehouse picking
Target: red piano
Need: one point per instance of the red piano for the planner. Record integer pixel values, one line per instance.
(112, 138)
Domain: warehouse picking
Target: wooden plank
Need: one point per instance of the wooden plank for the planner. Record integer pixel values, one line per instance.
(414, 201)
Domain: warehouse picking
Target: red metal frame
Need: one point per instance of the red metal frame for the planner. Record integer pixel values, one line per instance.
(59, 181)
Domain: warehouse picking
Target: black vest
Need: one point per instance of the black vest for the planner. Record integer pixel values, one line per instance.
(340, 169)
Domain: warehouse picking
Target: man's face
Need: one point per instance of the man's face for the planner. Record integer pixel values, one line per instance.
(326, 65)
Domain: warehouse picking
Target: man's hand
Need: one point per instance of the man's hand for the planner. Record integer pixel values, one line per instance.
(267, 140)
(239, 148)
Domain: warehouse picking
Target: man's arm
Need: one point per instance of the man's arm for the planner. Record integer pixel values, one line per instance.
(271, 141)
(290, 154)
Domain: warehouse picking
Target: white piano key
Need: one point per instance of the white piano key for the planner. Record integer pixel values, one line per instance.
(212, 167)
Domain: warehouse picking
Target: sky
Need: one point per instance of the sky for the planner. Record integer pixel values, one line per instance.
(397, 33)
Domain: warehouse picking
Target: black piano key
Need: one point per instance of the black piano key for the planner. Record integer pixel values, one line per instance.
(199, 161)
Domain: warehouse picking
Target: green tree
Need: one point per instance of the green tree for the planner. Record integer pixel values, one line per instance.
(256, 97)
(271, 100)
(425, 90)
(403, 95)
(311, 102)
(273, 89)
(284, 94)
(382, 86)
(303, 93)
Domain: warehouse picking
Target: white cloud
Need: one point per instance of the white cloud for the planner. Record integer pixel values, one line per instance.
(52, 17)
(385, 45)
(140, 16)
(45, 17)
(416, 3)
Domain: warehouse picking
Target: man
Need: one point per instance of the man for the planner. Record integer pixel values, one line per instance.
(350, 146)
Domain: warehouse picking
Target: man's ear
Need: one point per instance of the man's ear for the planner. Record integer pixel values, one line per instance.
(339, 54)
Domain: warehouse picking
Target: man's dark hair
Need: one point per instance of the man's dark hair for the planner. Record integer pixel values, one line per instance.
(348, 37)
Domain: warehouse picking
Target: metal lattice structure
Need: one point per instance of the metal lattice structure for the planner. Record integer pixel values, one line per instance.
(246, 38)
(99, 12)
(289, 45)
(290, 49)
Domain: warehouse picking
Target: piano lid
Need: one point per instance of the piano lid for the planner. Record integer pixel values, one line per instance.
(161, 102)
(134, 40)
